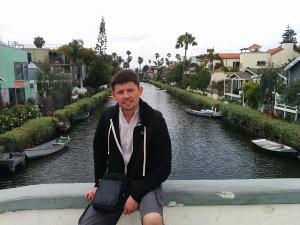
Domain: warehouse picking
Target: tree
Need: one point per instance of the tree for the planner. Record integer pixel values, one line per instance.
(175, 74)
(183, 41)
(199, 80)
(99, 72)
(140, 61)
(39, 42)
(289, 36)
(168, 62)
(145, 68)
(291, 95)
(270, 83)
(128, 60)
(73, 51)
(101, 40)
(251, 94)
(178, 57)
(218, 85)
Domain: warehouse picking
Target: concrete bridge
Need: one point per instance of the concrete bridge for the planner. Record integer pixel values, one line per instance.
(187, 202)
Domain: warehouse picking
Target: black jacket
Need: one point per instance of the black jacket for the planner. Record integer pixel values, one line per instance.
(158, 150)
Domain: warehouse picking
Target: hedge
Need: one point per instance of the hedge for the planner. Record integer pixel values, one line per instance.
(32, 133)
(17, 116)
(189, 97)
(81, 106)
(246, 119)
(39, 130)
(259, 125)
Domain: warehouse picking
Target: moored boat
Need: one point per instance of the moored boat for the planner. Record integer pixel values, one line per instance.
(275, 148)
(81, 116)
(204, 112)
(47, 148)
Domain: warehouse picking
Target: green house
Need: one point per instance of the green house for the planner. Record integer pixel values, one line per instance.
(14, 83)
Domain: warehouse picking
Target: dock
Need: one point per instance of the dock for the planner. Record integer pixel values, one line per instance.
(11, 160)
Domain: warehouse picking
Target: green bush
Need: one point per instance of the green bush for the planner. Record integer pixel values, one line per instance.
(81, 106)
(191, 98)
(31, 133)
(260, 125)
(17, 116)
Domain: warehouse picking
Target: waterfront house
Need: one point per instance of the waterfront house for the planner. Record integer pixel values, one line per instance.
(254, 57)
(234, 82)
(292, 70)
(14, 80)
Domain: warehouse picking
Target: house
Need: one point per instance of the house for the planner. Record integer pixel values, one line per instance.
(14, 82)
(292, 70)
(230, 60)
(253, 57)
(234, 82)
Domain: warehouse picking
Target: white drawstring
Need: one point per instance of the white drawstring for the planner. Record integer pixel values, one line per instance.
(111, 127)
(144, 164)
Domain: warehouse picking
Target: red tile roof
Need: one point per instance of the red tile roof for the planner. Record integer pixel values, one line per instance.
(229, 55)
(255, 46)
(275, 50)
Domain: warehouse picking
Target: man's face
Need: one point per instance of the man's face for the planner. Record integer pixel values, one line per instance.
(127, 95)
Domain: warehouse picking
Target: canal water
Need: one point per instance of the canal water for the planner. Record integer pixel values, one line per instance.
(203, 148)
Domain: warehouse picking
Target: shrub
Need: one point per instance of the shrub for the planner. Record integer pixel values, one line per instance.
(81, 106)
(17, 116)
(31, 133)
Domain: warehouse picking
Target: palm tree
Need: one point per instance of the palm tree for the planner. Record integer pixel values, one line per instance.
(129, 58)
(178, 57)
(183, 41)
(140, 61)
(39, 42)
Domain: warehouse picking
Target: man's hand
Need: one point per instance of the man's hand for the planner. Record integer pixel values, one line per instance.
(89, 196)
(130, 206)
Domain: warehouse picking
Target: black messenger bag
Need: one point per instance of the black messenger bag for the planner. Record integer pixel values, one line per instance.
(111, 193)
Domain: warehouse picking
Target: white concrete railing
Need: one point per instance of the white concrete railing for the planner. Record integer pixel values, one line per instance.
(186, 192)
(201, 202)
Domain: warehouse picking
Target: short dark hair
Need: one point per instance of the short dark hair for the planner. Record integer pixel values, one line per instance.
(124, 76)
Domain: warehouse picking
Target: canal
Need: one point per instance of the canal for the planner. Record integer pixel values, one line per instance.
(203, 148)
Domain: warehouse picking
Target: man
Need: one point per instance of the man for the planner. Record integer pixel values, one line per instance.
(144, 153)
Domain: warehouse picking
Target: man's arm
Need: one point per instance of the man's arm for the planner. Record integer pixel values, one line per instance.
(161, 147)
(100, 150)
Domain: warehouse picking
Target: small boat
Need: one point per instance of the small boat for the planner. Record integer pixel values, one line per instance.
(275, 148)
(205, 112)
(11, 160)
(81, 116)
(47, 148)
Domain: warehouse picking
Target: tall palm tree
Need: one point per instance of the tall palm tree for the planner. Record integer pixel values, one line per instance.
(140, 61)
(183, 41)
(129, 58)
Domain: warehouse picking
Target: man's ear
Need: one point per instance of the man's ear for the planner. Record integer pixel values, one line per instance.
(141, 90)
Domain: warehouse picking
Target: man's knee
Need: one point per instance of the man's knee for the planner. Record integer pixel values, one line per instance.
(153, 219)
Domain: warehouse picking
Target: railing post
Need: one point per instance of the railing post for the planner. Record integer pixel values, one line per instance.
(296, 114)
(284, 112)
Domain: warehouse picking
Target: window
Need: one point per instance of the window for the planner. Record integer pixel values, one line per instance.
(19, 71)
(29, 57)
(25, 70)
(261, 63)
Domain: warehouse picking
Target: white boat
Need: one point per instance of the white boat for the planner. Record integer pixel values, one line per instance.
(275, 148)
(81, 116)
(204, 112)
(47, 148)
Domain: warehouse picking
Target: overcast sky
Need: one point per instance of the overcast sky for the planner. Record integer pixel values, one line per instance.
(147, 27)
